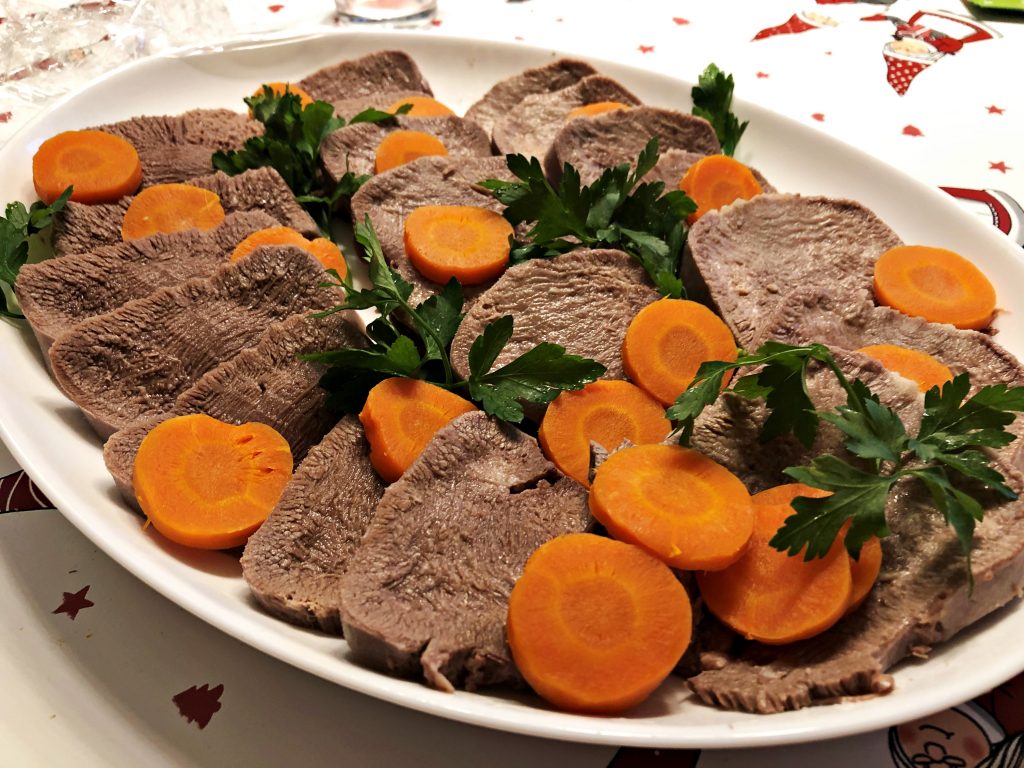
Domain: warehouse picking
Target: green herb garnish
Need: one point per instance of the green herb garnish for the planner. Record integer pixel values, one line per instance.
(616, 211)
(712, 100)
(17, 226)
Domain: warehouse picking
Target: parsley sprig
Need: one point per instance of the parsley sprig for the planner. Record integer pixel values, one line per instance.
(947, 449)
(712, 100)
(18, 225)
(616, 211)
(413, 341)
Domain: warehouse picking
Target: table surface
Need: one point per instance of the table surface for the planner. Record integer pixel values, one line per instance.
(99, 669)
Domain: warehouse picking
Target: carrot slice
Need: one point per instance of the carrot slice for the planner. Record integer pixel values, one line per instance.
(606, 412)
(910, 364)
(401, 416)
(171, 208)
(666, 343)
(596, 625)
(208, 484)
(422, 106)
(771, 597)
(936, 284)
(401, 147)
(101, 167)
(279, 89)
(326, 252)
(677, 504)
(461, 241)
(597, 108)
(718, 180)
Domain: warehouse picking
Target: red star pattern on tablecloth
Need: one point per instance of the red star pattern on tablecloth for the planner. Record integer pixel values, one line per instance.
(762, 75)
(198, 705)
(912, 130)
(1001, 166)
(994, 110)
(5, 117)
(820, 117)
(19, 494)
(645, 48)
(680, 20)
(75, 602)
(274, 8)
(435, 22)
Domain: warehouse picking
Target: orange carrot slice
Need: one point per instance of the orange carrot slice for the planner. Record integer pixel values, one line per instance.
(597, 108)
(596, 625)
(677, 504)
(422, 106)
(910, 364)
(461, 241)
(718, 180)
(101, 167)
(326, 252)
(401, 147)
(207, 484)
(401, 416)
(936, 284)
(666, 343)
(171, 208)
(279, 89)
(606, 412)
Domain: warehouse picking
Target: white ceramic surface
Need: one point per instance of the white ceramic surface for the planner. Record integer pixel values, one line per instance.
(52, 442)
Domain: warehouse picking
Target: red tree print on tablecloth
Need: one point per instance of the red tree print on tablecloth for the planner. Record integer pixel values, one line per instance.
(199, 705)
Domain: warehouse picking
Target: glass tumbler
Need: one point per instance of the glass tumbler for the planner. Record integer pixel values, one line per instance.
(373, 11)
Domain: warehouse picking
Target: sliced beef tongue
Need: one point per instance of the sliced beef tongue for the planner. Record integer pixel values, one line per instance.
(133, 362)
(354, 147)
(583, 300)
(59, 293)
(174, 148)
(503, 96)
(375, 80)
(427, 590)
(82, 228)
(268, 383)
(531, 127)
(391, 196)
(294, 562)
(744, 258)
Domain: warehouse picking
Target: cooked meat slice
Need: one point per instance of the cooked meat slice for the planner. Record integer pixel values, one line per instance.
(82, 228)
(294, 562)
(427, 590)
(268, 383)
(178, 147)
(746, 256)
(595, 143)
(59, 293)
(354, 147)
(391, 196)
(503, 96)
(532, 125)
(375, 80)
(583, 300)
(133, 362)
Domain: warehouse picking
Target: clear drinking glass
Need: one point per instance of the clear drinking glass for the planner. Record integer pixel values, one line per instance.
(373, 11)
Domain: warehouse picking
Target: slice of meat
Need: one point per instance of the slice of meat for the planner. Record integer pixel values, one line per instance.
(174, 148)
(427, 590)
(744, 258)
(391, 196)
(531, 126)
(294, 562)
(583, 300)
(133, 362)
(354, 147)
(59, 293)
(503, 96)
(375, 80)
(591, 144)
(82, 228)
(268, 383)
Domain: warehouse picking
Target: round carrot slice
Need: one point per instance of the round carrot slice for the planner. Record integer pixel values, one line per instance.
(936, 284)
(279, 89)
(325, 251)
(597, 108)
(329, 254)
(461, 241)
(171, 208)
(596, 625)
(666, 343)
(606, 412)
(716, 181)
(422, 106)
(911, 364)
(101, 167)
(207, 484)
(401, 147)
(676, 503)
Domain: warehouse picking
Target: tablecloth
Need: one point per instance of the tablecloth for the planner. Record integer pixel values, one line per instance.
(97, 669)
